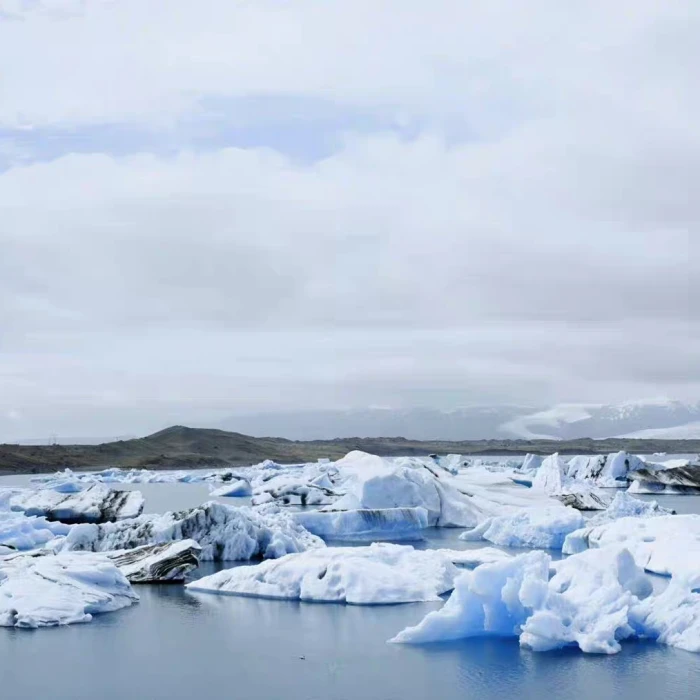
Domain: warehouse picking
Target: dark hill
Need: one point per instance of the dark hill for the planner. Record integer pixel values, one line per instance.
(183, 447)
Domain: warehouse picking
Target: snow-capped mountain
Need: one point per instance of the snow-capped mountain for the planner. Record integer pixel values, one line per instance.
(655, 418)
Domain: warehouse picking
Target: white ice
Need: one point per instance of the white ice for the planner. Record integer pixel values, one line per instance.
(593, 601)
(663, 544)
(378, 574)
(534, 528)
(46, 590)
(235, 488)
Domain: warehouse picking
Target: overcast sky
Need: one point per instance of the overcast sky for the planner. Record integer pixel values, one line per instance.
(225, 206)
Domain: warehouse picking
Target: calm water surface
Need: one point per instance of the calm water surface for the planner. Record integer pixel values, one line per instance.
(180, 645)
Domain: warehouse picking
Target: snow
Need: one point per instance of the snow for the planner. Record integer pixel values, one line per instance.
(555, 417)
(97, 503)
(236, 488)
(170, 561)
(225, 533)
(687, 431)
(366, 524)
(46, 590)
(535, 528)
(663, 544)
(378, 574)
(593, 601)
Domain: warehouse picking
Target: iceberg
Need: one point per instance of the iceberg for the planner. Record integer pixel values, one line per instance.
(151, 563)
(20, 532)
(365, 524)
(531, 463)
(43, 589)
(625, 506)
(296, 490)
(95, 504)
(225, 533)
(544, 528)
(235, 488)
(370, 482)
(680, 479)
(378, 574)
(552, 478)
(668, 545)
(593, 601)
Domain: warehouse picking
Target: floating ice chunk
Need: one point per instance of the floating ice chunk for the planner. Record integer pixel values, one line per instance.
(366, 524)
(667, 544)
(531, 463)
(551, 475)
(45, 590)
(374, 483)
(672, 617)
(295, 488)
(378, 574)
(674, 479)
(586, 603)
(19, 532)
(95, 504)
(624, 506)
(236, 488)
(170, 561)
(486, 601)
(535, 528)
(224, 532)
(552, 478)
(471, 558)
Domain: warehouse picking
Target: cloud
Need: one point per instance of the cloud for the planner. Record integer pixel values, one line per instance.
(260, 205)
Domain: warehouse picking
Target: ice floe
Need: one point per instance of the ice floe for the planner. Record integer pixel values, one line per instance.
(378, 574)
(42, 590)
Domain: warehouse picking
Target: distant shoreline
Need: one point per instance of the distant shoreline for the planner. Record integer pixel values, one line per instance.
(180, 447)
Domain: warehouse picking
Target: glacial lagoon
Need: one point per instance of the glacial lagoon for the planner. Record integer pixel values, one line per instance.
(181, 645)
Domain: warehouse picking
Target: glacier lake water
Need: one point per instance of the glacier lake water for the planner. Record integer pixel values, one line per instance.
(179, 645)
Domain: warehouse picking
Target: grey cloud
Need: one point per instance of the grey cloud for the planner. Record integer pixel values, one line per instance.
(547, 254)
